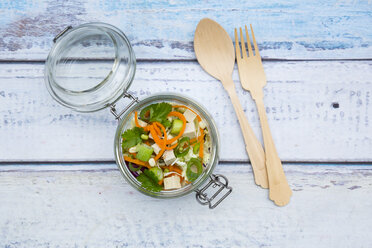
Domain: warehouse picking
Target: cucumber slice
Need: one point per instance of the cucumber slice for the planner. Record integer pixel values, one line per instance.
(176, 126)
(155, 173)
(144, 152)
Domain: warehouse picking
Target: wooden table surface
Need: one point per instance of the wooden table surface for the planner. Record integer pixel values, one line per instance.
(59, 184)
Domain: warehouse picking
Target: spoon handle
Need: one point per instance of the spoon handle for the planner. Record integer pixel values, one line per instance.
(253, 146)
(280, 192)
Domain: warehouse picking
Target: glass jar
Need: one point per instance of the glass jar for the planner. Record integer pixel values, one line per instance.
(102, 53)
(96, 49)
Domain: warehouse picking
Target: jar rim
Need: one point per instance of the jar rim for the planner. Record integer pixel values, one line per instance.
(169, 98)
(74, 99)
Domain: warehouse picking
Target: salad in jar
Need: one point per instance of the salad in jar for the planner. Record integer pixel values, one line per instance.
(166, 147)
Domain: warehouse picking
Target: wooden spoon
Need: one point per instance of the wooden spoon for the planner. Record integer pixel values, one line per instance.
(215, 53)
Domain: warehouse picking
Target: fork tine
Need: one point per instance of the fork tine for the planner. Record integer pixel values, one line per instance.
(255, 43)
(248, 42)
(237, 48)
(244, 52)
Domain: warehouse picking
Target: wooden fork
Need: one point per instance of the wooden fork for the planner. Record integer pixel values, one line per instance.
(253, 79)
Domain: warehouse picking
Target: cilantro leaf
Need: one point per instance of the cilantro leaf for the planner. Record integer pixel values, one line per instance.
(146, 113)
(148, 183)
(166, 123)
(156, 112)
(132, 137)
(161, 112)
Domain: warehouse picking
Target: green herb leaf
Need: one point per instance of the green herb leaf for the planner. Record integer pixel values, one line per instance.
(166, 123)
(161, 111)
(156, 112)
(146, 113)
(148, 183)
(132, 137)
(132, 168)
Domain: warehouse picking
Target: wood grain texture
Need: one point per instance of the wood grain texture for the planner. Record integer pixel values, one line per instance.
(253, 79)
(214, 51)
(286, 29)
(317, 111)
(92, 206)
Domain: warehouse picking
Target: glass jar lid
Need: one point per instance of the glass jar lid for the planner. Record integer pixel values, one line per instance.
(90, 66)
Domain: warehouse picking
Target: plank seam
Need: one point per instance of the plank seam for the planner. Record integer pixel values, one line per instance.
(20, 61)
(110, 162)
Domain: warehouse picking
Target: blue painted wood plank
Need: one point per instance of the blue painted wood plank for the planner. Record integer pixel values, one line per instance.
(164, 29)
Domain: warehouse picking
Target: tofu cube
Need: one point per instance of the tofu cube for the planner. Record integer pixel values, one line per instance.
(190, 130)
(156, 148)
(202, 125)
(170, 136)
(172, 182)
(142, 123)
(169, 157)
(189, 115)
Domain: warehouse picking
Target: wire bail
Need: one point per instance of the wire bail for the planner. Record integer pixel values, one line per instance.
(113, 106)
(202, 196)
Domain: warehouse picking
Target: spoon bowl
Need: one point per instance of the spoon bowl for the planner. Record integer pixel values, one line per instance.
(214, 49)
(215, 53)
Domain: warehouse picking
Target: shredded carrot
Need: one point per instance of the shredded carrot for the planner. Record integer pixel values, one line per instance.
(164, 142)
(201, 140)
(175, 174)
(192, 141)
(183, 106)
(201, 149)
(156, 137)
(171, 147)
(175, 169)
(158, 141)
(157, 130)
(136, 161)
(161, 182)
(147, 142)
(136, 119)
(183, 119)
(159, 154)
(146, 128)
(157, 125)
(201, 136)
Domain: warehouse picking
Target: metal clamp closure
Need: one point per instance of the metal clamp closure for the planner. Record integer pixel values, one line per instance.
(113, 106)
(61, 33)
(202, 196)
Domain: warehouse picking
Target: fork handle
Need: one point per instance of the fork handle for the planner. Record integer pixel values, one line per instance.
(274, 166)
(253, 146)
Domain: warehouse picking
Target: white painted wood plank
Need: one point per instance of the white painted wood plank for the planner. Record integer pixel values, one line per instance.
(299, 98)
(164, 29)
(92, 207)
